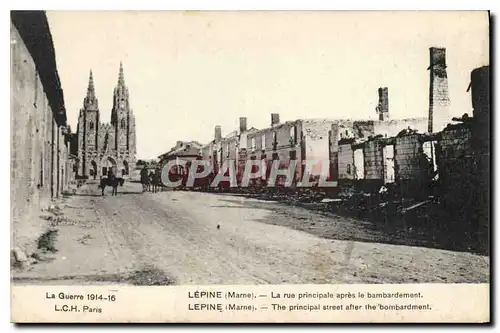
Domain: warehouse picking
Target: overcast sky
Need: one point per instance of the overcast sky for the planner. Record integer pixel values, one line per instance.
(190, 71)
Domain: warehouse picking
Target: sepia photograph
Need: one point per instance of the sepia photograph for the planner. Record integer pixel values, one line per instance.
(243, 148)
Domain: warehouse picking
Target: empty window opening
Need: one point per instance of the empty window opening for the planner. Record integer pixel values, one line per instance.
(359, 164)
(389, 171)
(429, 149)
(293, 135)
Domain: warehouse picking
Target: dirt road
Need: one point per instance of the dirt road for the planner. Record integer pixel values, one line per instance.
(173, 238)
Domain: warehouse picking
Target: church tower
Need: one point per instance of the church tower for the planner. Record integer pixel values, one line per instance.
(121, 114)
(88, 129)
(123, 124)
(106, 146)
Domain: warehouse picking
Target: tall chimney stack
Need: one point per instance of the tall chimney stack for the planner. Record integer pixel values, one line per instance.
(275, 119)
(243, 124)
(383, 104)
(218, 133)
(439, 100)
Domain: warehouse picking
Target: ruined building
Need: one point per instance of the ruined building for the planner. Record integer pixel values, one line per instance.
(295, 142)
(104, 146)
(439, 100)
(464, 156)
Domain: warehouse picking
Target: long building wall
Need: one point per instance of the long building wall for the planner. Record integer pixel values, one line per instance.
(309, 139)
(38, 148)
(277, 145)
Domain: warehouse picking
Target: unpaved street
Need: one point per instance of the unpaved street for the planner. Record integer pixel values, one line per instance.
(173, 238)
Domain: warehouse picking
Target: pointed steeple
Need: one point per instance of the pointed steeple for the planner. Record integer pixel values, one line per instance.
(121, 78)
(91, 99)
(120, 97)
(90, 89)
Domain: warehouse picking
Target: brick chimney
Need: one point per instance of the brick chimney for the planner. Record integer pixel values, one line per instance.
(275, 119)
(243, 124)
(218, 133)
(439, 100)
(383, 104)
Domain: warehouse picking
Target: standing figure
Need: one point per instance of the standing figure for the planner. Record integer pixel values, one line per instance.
(144, 178)
(157, 180)
(112, 181)
(151, 179)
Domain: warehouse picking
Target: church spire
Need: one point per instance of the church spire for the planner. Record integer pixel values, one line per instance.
(90, 89)
(120, 97)
(121, 79)
(91, 99)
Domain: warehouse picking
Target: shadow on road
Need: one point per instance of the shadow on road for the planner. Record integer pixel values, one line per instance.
(435, 232)
(97, 194)
(68, 195)
(227, 206)
(146, 276)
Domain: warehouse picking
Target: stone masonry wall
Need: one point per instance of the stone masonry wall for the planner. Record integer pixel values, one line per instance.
(373, 160)
(34, 148)
(407, 154)
(268, 150)
(345, 161)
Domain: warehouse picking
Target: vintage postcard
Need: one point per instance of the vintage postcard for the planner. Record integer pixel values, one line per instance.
(250, 166)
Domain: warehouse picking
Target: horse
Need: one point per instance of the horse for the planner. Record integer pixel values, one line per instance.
(145, 182)
(156, 181)
(112, 182)
(153, 183)
(150, 181)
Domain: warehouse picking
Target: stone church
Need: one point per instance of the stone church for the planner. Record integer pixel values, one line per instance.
(104, 146)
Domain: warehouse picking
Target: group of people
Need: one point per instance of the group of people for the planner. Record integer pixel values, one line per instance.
(151, 181)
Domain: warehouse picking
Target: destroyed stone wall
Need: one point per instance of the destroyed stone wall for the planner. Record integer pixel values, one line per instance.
(480, 92)
(391, 128)
(456, 167)
(279, 144)
(408, 149)
(365, 129)
(217, 156)
(345, 161)
(456, 143)
(480, 95)
(316, 136)
(206, 152)
(229, 147)
(373, 158)
(342, 129)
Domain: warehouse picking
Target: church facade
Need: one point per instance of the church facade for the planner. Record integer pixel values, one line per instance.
(105, 146)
